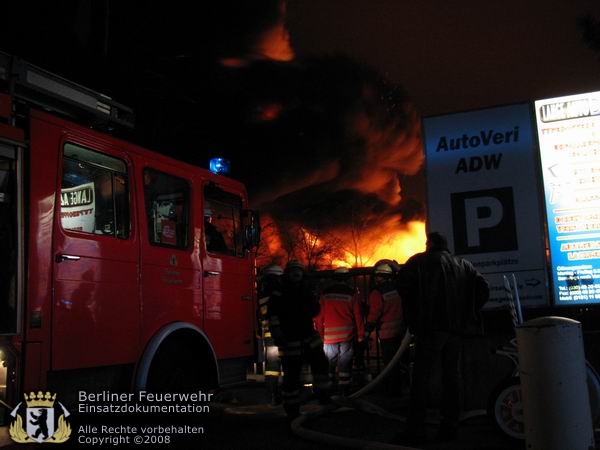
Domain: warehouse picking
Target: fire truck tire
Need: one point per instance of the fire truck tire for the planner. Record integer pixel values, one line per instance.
(505, 408)
(182, 362)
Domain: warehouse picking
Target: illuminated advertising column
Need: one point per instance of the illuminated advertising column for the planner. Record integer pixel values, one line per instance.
(483, 195)
(569, 137)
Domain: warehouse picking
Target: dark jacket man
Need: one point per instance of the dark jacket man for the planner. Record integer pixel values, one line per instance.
(441, 296)
(441, 291)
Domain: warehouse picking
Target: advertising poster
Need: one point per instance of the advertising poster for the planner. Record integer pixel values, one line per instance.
(569, 137)
(482, 194)
(78, 208)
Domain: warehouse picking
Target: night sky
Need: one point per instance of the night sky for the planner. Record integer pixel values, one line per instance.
(465, 55)
(453, 56)
(317, 105)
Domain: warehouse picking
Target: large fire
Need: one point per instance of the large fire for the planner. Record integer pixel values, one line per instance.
(335, 139)
(341, 247)
(398, 245)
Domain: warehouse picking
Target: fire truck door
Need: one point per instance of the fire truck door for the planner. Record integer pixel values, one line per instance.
(96, 304)
(171, 284)
(227, 273)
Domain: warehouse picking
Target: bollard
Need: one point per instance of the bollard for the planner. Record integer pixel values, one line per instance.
(556, 403)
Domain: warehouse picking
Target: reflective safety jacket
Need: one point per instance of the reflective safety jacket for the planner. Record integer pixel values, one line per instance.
(385, 311)
(340, 319)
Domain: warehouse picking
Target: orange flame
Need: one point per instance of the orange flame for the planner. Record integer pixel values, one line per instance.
(342, 247)
(271, 43)
(393, 243)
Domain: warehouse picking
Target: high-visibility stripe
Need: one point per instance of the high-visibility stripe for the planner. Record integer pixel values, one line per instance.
(263, 300)
(274, 373)
(345, 327)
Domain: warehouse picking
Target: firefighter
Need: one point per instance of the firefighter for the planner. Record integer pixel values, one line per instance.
(385, 315)
(270, 281)
(291, 313)
(340, 324)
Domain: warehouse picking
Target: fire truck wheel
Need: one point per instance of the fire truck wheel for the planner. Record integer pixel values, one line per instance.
(505, 408)
(181, 364)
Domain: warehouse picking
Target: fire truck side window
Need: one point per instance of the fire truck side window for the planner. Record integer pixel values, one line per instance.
(94, 193)
(222, 221)
(167, 208)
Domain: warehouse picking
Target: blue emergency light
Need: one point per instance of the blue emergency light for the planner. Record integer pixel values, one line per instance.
(219, 165)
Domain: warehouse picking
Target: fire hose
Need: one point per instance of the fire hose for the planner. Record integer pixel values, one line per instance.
(353, 402)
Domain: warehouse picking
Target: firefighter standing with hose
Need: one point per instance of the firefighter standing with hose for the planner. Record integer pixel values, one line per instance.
(340, 323)
(291, 313)
(385, 316)
(269, 284)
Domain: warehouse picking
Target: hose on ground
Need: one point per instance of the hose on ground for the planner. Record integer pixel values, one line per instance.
(354, 401)
(384, 373)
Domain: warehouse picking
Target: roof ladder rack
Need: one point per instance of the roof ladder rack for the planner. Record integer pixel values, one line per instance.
(34, 85)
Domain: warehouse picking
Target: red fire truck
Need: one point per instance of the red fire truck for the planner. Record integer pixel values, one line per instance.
(119, 266)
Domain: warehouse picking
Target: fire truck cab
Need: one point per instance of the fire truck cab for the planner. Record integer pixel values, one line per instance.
(121, 268)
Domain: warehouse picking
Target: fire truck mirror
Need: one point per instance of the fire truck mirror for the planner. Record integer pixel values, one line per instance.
(251, 222)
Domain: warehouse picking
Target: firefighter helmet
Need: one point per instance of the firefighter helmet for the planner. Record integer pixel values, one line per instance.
(295, 264)
(383, 269)
(390, 262)
(272, 269)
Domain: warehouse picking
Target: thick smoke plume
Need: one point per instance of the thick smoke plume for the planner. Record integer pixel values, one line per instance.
(333, 157)
(322, 143)
(326, 141)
